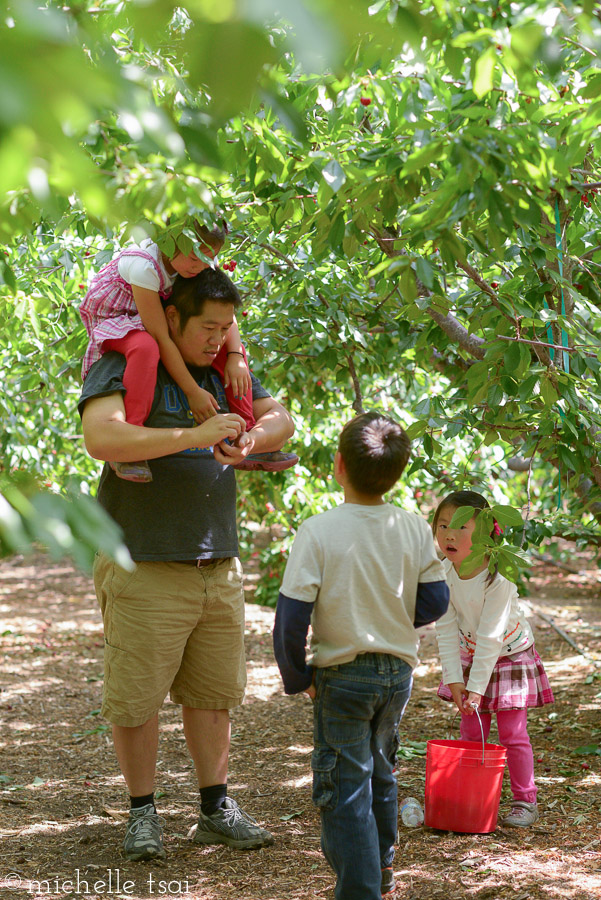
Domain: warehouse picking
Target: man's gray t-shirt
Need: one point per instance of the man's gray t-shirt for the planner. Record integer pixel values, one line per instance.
(188, 510)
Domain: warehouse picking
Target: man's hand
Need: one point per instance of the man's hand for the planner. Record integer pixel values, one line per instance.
(202, 405)
(310, 692)
(230, 454)
(219, 428)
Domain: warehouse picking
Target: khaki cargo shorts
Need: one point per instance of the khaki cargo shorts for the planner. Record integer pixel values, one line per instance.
(170, 628)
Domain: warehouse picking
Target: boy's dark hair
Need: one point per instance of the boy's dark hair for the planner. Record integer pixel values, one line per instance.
(190, 294)
(375, 450)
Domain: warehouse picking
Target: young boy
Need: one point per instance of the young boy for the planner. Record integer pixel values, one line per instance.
(364, 575)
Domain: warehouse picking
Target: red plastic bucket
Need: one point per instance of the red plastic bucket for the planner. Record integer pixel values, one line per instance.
(463, 785)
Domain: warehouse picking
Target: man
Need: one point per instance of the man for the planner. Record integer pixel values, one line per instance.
(176, 624)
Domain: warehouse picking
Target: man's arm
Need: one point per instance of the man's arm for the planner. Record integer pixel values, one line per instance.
(109, 436)
(274, 426)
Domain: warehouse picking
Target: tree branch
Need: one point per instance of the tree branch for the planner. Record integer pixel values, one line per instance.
(358, 401)
(453, 328)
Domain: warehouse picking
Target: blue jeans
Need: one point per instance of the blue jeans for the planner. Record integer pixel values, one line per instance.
(358, 708)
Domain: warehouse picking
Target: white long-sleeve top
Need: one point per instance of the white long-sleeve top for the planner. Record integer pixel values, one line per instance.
(484, 620)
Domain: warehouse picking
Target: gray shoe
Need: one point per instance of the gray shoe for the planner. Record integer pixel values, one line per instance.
(388, 885)
(522, 815)
(230, 825)
(144, 835)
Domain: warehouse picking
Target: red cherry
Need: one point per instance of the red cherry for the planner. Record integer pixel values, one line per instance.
(365, 101)
(585, 766)
(233, 265)
(244, 313)
(584, 198)
(319, 383)
(540, 759)
(82, 287)
(578, 286)
(494, 284)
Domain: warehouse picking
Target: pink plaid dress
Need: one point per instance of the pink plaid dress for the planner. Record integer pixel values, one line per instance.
(516, 682)
(108, 310)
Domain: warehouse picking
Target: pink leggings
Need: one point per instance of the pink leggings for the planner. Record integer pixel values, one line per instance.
(513, 735)
(141, 353)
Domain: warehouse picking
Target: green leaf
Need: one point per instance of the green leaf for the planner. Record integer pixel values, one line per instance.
(461, 516)
(507, 516)
(333, 175)
(485, 68)
(424, 271)
(588, 750)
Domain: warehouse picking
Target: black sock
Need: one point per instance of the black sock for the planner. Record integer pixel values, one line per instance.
(212, 798)
(137, 802)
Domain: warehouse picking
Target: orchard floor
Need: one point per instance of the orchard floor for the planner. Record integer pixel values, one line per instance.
(63, 803)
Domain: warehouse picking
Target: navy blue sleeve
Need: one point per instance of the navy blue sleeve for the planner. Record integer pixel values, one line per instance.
(432, 602)
(292, 620)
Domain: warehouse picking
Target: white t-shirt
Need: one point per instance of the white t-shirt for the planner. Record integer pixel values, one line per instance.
(361, 565)
(139, 271)
(483, 620)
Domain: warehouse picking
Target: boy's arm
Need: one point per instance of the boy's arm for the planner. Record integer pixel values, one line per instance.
(148, 303)
(432, 602)
(292, 620)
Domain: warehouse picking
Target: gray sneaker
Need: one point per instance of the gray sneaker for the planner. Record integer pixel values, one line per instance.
(230, 825)
(522, 815)
(144, 835)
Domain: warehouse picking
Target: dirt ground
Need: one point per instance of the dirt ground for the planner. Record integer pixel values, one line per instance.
(63, 802)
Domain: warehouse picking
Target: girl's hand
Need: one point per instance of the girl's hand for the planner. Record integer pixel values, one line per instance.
(202, 405)
(471, 703)
(236, 375)
(459, 692)
(219, 427)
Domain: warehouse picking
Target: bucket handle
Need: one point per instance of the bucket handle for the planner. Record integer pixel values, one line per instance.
(475, 708)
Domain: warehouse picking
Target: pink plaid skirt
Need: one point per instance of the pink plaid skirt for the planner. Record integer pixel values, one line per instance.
(517, 681)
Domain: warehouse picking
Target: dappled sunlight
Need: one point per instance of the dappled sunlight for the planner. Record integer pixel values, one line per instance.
(303, 781)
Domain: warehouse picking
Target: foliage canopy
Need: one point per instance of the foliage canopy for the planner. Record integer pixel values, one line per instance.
(411, 192)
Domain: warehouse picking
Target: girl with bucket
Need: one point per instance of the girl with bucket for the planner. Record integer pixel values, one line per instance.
(487, 653)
